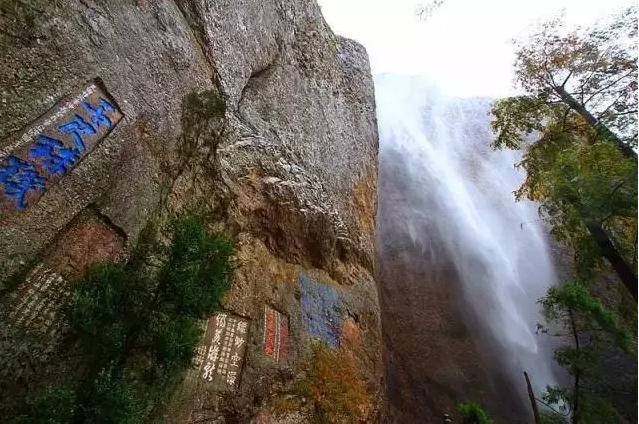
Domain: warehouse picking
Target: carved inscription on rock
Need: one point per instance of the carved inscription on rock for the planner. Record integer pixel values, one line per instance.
(220, 357)
(321, 310)
(54, 145)
(275, 339)
(40, 301)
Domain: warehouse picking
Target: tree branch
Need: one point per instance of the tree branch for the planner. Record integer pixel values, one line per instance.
(614, 102)
(563, 414)
(531, 395)
(594, 122)
(608, 86)
(563, 84)
(616, 187)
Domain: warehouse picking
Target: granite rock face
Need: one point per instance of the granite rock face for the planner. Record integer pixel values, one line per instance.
(252, 112)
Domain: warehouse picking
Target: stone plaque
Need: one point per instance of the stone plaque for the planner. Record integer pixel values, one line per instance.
(275, 339)
(54, 145)
(40, 301)
(220, 357)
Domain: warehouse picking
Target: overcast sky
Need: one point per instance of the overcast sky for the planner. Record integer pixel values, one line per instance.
(464, 46)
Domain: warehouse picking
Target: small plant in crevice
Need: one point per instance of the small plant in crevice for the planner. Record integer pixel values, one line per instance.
(473, 413)
(136, 327)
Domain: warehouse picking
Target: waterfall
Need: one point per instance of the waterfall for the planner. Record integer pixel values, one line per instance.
(458, 201)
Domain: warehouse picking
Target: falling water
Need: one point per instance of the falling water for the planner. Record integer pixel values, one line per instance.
(464, 190)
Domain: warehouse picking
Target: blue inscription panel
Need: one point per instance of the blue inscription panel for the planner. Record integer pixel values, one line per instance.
(54, 145)
(321, 310)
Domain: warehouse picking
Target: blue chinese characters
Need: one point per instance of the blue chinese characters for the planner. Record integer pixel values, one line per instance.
(57, 158)
(76, 128)
(24, 175)
(18, 177)
(98, 114)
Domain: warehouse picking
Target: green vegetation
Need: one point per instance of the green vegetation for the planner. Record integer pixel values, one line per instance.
(202, 115)
(334, 387)
(472, 413)
(588, 193)
(111, 401)
(550, 417)
(577, 127)
(134, 330)
(581, 108)
(56, 406)
(593, 328)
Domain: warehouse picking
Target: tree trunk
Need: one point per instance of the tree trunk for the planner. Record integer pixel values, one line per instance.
(533, 401)
(610, 252)
(575, 400)
(607, 249)
(589, 117)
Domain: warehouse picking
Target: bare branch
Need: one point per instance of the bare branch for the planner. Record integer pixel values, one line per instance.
(595, 66)
(563, 84)
(614, 102)
(563, 414)
(609, 85)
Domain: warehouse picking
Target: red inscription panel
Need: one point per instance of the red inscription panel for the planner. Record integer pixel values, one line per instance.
(275, 339)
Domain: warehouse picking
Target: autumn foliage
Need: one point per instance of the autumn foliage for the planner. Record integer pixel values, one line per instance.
(334, 387)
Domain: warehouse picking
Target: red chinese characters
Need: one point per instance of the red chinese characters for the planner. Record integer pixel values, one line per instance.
(275, 341)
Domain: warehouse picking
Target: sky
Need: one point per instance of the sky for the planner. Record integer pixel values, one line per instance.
(464, 47)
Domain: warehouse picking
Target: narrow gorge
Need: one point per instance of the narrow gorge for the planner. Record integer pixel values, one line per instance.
(226, 212)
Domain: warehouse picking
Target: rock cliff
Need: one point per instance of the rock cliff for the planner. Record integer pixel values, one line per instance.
(250, 111)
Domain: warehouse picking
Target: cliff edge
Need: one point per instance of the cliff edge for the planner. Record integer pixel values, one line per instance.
(251, 112)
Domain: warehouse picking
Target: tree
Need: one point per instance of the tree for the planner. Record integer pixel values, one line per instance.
(134, 329)
(591, 73)
(577, 123)
(591, 327)
(117, 308)
(56, 406)
(111, 401)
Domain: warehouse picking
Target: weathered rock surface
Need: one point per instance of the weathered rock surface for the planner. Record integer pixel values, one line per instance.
(251, 111)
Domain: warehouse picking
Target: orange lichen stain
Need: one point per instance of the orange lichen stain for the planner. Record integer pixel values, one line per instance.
(335, 387)
(262, 417)
(351, 338)
(365, 200)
